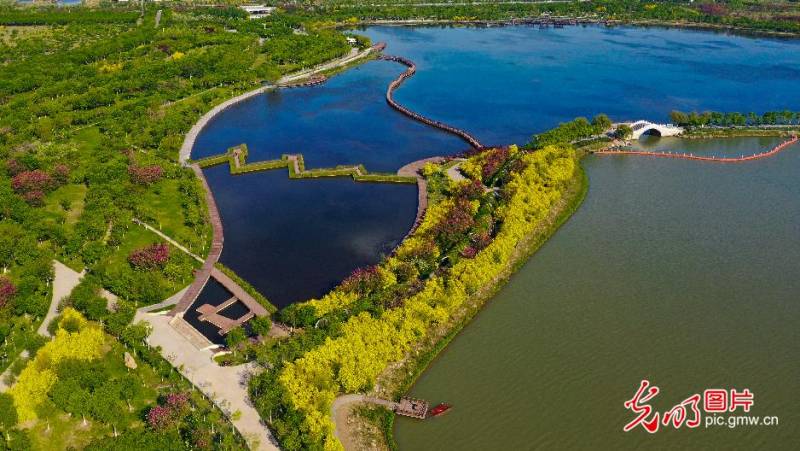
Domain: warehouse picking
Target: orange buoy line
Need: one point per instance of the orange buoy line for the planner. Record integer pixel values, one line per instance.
(688, 156)
(412, 69)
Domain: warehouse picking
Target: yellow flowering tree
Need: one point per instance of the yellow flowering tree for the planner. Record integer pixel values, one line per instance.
(74, 339)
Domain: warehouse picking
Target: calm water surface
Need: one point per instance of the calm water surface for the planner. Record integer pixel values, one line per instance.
(677, 271)
(684, 273)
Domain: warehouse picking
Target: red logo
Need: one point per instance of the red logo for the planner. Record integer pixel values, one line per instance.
(687, 412)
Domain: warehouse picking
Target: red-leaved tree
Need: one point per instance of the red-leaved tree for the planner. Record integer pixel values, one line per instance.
(451, 228)
(7, 290)
(160, 418)
(494, 160)
(363, 281)
(61, 174)
(145, 175)
(150, 257)
(169, 412)
(713, 9)
(36, 180)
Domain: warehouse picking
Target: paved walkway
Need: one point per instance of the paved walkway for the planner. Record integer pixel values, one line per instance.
(172, 300)
(455, 174)
(3, 387)
(339, 62)
(226, 386)
(202, 276)
(168, 239)
(65, 280)
(188, 143)
(412, 170)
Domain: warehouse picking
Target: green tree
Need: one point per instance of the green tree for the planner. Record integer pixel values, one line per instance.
(623, 131)
(678, 117)
(235, 337)
(8, 413)
(601, 123)
(261, 325)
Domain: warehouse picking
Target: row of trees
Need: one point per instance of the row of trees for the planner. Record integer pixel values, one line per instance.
(733, 14)
(575, 130)
(699, 119)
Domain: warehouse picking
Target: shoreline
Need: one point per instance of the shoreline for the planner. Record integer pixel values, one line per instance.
(215, 251)
(578, 21)
(185, 152)
(398, 379)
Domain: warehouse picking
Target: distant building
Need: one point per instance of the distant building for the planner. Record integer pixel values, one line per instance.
(352, 41)
(258, 11)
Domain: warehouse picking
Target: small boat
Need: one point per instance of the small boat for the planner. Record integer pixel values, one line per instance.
(440, 409)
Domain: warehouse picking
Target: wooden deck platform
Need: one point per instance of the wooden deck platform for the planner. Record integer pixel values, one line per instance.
(411, 407)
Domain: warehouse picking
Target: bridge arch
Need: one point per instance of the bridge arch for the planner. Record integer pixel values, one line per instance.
(641, 128)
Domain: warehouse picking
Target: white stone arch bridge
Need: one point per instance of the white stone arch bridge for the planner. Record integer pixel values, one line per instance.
(649, 128)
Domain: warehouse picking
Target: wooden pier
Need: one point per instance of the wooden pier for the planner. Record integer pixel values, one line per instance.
(411, 407)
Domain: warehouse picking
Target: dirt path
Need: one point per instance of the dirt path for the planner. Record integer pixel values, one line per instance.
(341, 410)
(455, 174)
(64, 281)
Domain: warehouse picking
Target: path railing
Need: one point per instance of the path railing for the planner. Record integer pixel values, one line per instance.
(688, 156)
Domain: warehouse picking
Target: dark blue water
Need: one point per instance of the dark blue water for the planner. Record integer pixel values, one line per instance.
(213, 294)
(504, 84)
(294, 240)
(344, 121)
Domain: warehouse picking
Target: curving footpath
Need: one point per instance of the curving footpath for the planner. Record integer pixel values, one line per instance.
(202, 275)
(687, 156)
(412, 69)
(340, 411)
(286, 81)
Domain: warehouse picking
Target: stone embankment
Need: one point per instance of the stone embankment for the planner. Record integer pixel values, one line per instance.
(412, 69)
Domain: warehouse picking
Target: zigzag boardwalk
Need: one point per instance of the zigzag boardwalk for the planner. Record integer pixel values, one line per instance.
(412, 69)
(688, 156)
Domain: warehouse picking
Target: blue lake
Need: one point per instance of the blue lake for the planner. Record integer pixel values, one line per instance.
(295, 239)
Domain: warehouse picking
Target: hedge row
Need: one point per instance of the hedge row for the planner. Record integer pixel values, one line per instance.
(358, 172)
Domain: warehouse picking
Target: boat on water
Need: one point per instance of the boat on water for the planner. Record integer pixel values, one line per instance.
(440, 409)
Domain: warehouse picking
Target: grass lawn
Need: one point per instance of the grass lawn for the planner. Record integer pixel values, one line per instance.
(164, 205)
(88, 139)
(70, 196)
(167, 283)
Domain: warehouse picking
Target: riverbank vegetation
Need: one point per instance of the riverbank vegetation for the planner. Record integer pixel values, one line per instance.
(734, 119)
(579, 129)
(760, 16)
(466, 242)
